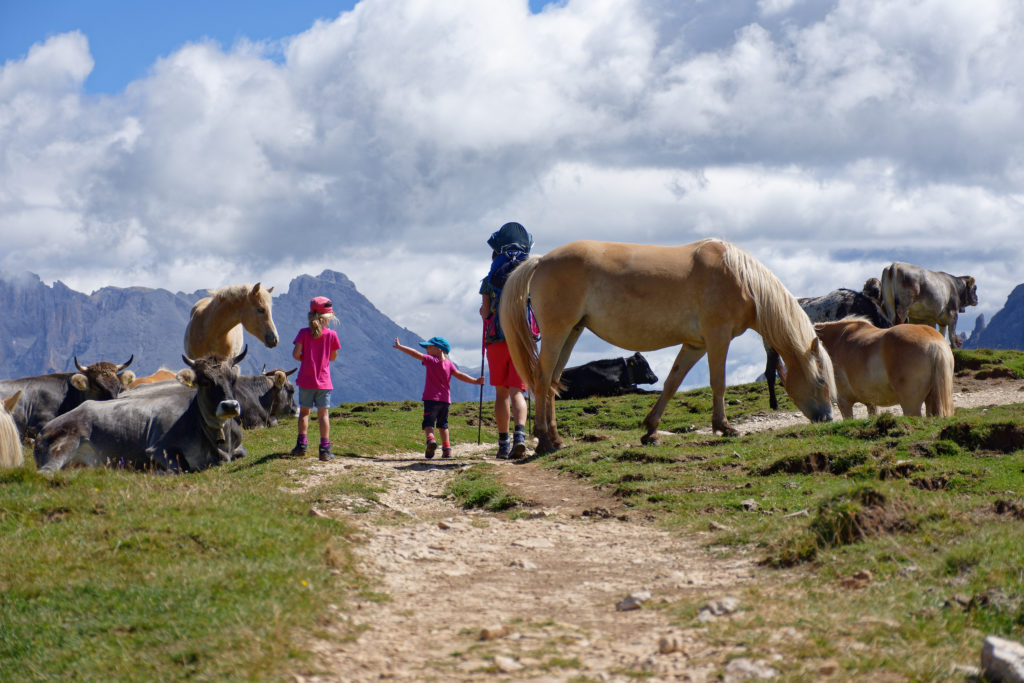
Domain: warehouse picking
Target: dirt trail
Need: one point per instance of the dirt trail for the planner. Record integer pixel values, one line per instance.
(474, 596)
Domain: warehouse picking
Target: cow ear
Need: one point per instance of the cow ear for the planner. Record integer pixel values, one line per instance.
(126, 377)
(186, 377)
(279, 378)
(236, 371)
(79, 381)
(12, 401)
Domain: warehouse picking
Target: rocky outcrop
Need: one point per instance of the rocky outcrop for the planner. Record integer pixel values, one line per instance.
(1006, 329)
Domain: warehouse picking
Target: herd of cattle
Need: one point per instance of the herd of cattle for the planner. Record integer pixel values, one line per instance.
(187, 421)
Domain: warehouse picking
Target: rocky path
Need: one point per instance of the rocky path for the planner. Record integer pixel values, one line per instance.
(474, 596)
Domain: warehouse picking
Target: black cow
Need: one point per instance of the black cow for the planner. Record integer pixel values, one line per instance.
(266, 397)
(836, 305)
(47, 396)
(609, 377)
(162, 428)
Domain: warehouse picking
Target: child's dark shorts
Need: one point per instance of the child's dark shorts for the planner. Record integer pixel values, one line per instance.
(435, 414)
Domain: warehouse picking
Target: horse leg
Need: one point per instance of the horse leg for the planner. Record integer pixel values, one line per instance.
(554, 354)
(769, 376)
(686, 359)
(846, 407)
(716, 370)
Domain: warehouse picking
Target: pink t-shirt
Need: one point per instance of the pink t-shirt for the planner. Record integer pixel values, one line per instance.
(439, 379)
(315, 368)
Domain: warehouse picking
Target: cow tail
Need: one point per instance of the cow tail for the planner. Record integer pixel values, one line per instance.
(940, 400)
(512, 311)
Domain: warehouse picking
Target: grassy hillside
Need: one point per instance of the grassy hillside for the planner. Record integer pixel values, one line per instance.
(121, 575)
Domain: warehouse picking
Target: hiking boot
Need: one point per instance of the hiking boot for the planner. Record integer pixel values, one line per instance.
(325, 452)
(504, 450)
(300, 448)
(446, 452)
(518, 447)
(431, 447)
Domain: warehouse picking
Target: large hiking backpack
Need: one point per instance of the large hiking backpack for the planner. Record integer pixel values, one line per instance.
(501, 267)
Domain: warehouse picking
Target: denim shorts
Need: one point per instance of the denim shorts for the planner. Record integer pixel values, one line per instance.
(314, 398)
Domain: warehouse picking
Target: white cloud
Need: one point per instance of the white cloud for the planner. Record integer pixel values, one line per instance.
(827, 138)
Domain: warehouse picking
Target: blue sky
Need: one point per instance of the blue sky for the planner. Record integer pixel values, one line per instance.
(388, 139)
(126, 37)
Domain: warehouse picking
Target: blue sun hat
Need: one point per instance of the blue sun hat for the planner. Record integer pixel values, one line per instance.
(439, 342)
(508, 235)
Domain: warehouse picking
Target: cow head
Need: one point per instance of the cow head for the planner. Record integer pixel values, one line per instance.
(873, 290)
(969, 292)
(640, 370)
(284, 404)
(102, 380)
(214, 381)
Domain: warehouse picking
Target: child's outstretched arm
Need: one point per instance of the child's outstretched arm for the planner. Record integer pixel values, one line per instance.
(412, 352)
(468, 379)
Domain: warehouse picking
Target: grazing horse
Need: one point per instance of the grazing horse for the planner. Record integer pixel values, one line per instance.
(215, 326)
(836, 305)
(11, 454)
(905, 364)
(643, 297)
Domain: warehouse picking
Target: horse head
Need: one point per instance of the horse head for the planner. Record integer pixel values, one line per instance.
(810, 383)
(256, 316)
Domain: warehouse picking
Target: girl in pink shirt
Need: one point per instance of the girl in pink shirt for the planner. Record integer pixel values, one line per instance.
(437, 395)
(316, 347)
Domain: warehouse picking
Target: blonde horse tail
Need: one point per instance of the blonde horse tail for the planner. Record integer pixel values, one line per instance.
(939, 402)
(512, 311)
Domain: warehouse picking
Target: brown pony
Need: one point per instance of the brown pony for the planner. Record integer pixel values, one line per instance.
(215, 326)
(643, 297)
(904, 364)
(11, 454)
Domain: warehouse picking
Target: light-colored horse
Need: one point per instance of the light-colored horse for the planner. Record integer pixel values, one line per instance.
(905, 364)
(643, 297)
(215, 326)
(11, 454)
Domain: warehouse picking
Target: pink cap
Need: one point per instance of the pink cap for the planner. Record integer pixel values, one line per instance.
(321, 304)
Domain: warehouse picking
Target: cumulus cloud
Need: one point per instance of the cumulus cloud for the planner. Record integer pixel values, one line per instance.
(827, 137)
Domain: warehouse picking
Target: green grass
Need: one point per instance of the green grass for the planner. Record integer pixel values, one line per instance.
(113, 575)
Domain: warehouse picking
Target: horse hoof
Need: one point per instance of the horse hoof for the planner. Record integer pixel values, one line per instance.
(649, 440)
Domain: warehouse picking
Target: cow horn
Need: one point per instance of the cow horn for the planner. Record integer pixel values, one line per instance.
(238, 359)
(79, 365)
(122, 367)
(188, 361)
(290, 372)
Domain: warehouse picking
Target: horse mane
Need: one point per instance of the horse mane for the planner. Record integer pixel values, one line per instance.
(779, 318)
(231, 292)
(11, 454)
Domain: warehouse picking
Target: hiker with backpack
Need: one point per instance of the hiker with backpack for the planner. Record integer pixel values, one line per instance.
(510, 246)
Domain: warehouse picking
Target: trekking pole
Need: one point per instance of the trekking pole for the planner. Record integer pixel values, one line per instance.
(480, 409)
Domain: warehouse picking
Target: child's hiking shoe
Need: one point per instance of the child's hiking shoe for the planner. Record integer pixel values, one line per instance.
(325, 452)
(446, 452)
(504, 450)
(431, 447)
(300, 448)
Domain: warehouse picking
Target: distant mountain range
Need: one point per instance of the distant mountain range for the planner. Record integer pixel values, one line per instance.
(42, 329)
(1006, 329)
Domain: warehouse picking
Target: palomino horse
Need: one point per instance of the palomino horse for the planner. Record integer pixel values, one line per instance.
(215, 326)
(11, 454)
(643, 297)
(905, 364)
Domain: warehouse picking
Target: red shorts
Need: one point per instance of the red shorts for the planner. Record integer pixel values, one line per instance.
(503, 372)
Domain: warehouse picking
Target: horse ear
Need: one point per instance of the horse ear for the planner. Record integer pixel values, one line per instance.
(255, 289)
(12, 401)
(270, 290)
(780, 368)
